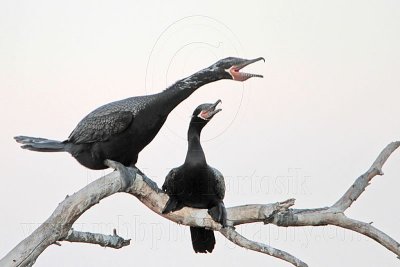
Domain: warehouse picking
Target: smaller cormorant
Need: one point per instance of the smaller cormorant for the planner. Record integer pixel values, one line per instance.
(118, 131)
(196, 184)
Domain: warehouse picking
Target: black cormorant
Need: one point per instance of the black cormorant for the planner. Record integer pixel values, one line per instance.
(196, 184)
(118, 131)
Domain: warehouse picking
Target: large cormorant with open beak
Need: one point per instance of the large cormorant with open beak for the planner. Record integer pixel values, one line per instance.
(118, 131)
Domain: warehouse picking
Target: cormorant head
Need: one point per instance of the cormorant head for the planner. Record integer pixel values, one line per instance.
(229, 68)
(204, 113)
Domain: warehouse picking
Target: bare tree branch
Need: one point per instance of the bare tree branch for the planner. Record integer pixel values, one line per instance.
(321, 217)
(110, 241)
(58, 226)
(368, 230)
(362, 182)
(240, 240)
(334, 215)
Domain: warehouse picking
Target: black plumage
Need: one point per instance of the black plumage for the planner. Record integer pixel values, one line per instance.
(196, 184)
(119, 130)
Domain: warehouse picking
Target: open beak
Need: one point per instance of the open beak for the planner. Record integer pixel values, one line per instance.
(234, 71)
(208, 113)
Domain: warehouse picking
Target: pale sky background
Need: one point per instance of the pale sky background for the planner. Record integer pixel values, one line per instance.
(328, 104)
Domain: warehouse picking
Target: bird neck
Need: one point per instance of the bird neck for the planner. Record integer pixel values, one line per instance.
(195, 154)
(182, 89)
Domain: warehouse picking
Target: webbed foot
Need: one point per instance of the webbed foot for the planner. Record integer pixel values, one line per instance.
(173, 204)
(218, 213)
(126, 176)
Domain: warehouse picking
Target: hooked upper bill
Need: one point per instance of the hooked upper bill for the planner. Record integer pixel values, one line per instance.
(210, 111)
(234, 71)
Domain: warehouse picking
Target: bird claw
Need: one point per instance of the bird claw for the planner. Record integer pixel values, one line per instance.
(126, 176)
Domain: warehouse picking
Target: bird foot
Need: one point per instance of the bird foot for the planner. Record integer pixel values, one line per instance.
(172, 205)
(218, 214)
(126, 176)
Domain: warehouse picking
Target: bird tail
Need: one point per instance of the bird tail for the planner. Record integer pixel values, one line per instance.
(203, 240)
(40, 144)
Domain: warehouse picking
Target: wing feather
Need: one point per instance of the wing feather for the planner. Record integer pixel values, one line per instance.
(220, 183)
(100, 127)
(169, 179)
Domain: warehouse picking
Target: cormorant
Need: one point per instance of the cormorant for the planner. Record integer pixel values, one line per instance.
(196, 184)
(118, 131)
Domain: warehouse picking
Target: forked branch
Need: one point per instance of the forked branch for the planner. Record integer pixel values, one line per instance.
(58, 227)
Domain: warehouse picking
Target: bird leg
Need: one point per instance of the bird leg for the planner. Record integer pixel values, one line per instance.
(126, 176)
(218, 213)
